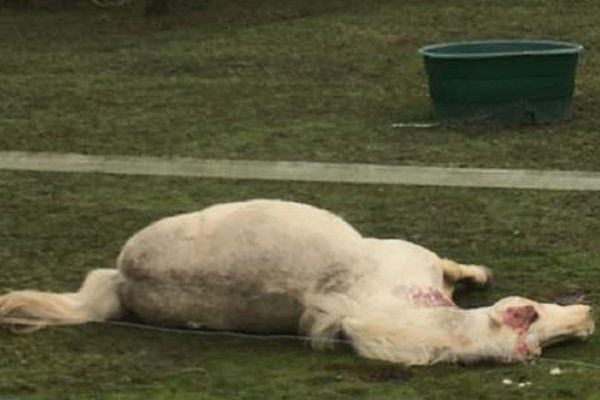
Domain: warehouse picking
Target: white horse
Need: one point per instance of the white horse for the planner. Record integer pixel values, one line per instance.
(269, 266)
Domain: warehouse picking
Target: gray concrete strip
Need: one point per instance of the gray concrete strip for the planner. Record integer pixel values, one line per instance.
(302, 171)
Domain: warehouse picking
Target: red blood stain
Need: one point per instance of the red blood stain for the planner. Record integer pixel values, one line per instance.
(431, 298)
(520, 318)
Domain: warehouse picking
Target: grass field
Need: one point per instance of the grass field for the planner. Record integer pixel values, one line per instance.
(56, 227)
(264, 79)
(279, 80)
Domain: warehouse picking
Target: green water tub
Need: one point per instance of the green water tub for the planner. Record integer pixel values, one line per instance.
(515, 81)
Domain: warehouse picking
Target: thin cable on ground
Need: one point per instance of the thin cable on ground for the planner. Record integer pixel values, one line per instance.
(273, 337)
(571, 362)
(197, 332)
(296, 338)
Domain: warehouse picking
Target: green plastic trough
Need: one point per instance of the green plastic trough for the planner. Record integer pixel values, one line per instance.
(514, 81)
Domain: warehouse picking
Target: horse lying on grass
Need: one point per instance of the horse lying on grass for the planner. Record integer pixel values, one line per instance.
(268, 266)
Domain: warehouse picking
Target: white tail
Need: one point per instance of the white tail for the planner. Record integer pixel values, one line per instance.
(96, 300)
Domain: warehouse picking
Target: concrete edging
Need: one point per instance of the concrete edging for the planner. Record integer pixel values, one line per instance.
(301, 171)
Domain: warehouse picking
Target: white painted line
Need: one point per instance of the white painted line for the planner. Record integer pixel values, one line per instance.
(302, 171)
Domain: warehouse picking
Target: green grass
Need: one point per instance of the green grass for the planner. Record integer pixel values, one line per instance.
(55, 227)
(286, 80)
(265, 79)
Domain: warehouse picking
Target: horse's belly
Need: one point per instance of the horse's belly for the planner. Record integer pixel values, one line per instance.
(240, 266)
(213, 306)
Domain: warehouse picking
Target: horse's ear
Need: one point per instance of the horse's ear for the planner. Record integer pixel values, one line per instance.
(519, 317)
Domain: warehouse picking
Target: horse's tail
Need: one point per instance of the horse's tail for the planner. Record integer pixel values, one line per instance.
(96, 300)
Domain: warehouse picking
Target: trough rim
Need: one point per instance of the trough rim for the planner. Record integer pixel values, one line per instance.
(563, 48)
